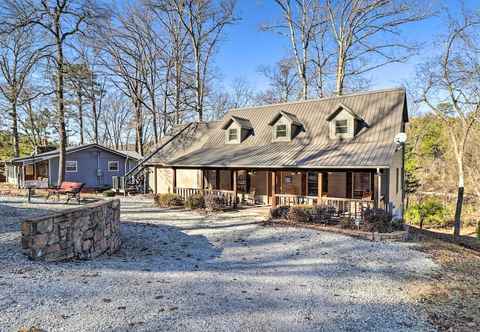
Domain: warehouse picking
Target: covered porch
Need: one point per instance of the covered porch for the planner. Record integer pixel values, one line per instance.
(29, 173)
(348, 191)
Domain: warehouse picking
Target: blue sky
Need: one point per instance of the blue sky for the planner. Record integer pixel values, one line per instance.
(245, 47)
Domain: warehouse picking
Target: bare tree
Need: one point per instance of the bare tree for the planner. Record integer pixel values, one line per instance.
(175, 57)
(301, 20)
(283, 81)
(204, 22)
(450, 87)
(365, 34)
(18, 57)
(58, 21)
(123, 49)
(116, 119)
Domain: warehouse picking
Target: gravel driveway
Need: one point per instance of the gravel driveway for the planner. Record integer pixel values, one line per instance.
(180, 270)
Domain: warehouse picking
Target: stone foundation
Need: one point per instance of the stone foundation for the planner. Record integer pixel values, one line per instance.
(79, 233)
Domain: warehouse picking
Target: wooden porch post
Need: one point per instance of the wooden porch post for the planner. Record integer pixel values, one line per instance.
(234, 188)
(378, 191)
(274, 184)
(320, 187)
(155, 179)
(202, 179)
(174, 181)
(217, 179)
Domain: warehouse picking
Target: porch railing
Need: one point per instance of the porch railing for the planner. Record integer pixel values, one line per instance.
(227, 195)
(350, 207)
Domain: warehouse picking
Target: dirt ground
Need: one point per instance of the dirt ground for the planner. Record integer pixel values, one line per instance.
(451, 296)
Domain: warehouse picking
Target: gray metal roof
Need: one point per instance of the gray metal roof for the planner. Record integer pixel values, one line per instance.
(384, 113)
(72, 149)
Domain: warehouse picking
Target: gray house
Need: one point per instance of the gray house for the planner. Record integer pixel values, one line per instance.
(91, 164)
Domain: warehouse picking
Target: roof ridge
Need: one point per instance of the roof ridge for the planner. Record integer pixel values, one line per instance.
(319, 99)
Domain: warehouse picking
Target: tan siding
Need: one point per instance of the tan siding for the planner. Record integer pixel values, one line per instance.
(394, 196)
(164, 180)
(188, 178)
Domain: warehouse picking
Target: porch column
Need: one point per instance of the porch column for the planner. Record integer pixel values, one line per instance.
(155, 179)
(174, 181)
(234, 188)
(217, 179)
(378, 191)
(274, 184)
(320, 187)
(202, 179)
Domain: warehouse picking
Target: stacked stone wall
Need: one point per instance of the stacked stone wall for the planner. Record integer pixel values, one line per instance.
(85, 232)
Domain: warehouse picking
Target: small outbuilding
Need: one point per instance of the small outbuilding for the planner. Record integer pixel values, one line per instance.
(91, 164)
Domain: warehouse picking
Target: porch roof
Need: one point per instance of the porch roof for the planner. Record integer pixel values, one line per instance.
(203, 144)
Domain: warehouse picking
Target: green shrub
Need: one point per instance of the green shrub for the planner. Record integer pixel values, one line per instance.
(196, 201)
(168, 200)
(279, 212)
(214, 203)
(346, 222)
(297, 214)
(430, 212)
(377, 220)
(108, 193)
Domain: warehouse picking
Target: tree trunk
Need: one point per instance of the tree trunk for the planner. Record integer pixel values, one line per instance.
(60, 102)
(340, 72)
(138, 127)
(16, 143)
(80, 116)
(95, 119)
(458, 208)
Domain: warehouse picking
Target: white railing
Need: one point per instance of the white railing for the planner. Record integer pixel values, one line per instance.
(227, 195)
(342, 206)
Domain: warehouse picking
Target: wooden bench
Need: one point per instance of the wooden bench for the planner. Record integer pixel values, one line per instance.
(70, 189)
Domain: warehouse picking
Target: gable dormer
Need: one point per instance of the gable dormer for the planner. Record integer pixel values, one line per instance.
(343, 123)
(285, 126)
(236, 129)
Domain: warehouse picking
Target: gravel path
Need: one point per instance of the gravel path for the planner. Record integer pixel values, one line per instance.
(179, 271)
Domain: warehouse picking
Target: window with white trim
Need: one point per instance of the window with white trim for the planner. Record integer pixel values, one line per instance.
(341, 126)
(113, 166)
(281, 131)
(71, 166)
(232, 134)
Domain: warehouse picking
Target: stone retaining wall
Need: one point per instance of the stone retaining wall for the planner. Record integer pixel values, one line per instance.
(79, 233)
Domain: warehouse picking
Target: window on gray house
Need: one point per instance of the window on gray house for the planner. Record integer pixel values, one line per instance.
(341, 126)
(71, 166)
(232, 134)
(281, 131)
(113, 166)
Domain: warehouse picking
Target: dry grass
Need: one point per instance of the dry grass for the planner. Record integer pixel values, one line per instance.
(469, 230)
(451, 297)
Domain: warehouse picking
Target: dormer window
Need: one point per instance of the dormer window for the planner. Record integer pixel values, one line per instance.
(232, 134)
(344, 123)
(285, 126)
(281, 131)
(236, 129)
(341, 127)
